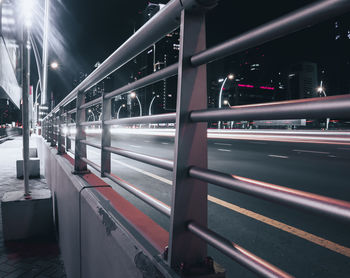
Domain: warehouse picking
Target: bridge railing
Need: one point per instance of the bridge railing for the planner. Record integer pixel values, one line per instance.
(188, 231)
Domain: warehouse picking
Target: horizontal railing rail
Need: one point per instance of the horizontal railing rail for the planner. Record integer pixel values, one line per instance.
(188, 209)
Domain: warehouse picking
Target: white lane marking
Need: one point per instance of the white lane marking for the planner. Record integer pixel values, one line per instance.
(135, 146)
(344, 149)
(257, 142)
(343, 250)
(308, 151)
(223, 144)
(165, 143)
(278, 156)
(144, 172)
(331, 156)
(223, 150)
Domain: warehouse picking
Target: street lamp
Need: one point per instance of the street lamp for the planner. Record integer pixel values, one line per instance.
(121, 106)
(321, 91)
(93, 115)
(230, 77)
(133, 95)
(226, 102)
(54, 65)
(150, 105)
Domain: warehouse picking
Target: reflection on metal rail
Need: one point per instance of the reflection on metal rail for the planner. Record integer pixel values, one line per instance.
(188, 222)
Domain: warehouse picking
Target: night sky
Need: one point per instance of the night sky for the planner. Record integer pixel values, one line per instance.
(89, 31)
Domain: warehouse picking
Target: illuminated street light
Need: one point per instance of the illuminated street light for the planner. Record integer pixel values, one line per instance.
(121, 106)
(54, 65)
(226, 102)
(321, 91)
(133, 95)
(150, 105)
(230, 77)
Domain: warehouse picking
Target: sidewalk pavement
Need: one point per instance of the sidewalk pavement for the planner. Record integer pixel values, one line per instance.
(25, 258)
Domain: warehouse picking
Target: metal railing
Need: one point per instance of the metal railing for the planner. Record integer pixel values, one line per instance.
(189, 235)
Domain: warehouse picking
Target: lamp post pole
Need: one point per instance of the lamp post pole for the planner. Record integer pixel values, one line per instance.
(25, 107)
(230, 76)
(134, 95)
(121, 106)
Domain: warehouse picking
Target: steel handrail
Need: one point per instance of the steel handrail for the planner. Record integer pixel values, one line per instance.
(91, 103)
(145, 81)
(165, 21)
(159, 118)
(158, 26)
(153, 202)
(97, 146)
(335, 107)
(283, 195)
(152, 160)
(237, 253)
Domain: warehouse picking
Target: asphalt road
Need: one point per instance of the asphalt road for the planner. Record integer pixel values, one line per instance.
(300, 243)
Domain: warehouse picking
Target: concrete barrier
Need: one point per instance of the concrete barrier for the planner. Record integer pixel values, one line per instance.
(96, 239)
(34, 168)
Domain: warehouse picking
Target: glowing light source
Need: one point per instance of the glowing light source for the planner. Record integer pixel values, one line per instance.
(133, 94)
(54, 65)
(231, 76)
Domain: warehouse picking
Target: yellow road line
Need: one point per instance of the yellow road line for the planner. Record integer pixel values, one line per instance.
(284, 227)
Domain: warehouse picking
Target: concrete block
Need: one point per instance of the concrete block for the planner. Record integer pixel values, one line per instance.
(33, 152)
(25, 218)
(34, 168)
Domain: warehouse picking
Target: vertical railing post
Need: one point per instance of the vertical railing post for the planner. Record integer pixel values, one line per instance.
(80, 167)
(60, 148)
(53, 122)
(105, 136)
(48, 129)
(189, 196)
(68, 141)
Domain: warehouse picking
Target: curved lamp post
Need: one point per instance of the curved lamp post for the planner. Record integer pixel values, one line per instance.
(150, 105)
(121, 106)
(230, 77)
(321, 92)
(133, 95)
(93, 114)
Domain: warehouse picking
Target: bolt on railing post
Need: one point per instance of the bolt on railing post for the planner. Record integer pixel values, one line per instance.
(105, 136)
(80, 167)
(189, 196)
(68, 141)
(60, 148)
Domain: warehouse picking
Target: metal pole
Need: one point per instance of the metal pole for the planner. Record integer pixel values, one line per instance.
(220, 98)
(68, 141)
(121, 106)
(138, 100)
(150, 106)
(189, 197)
(80, 166)
(60, 148)
(25, 110)
(45, 52)
(106, 135)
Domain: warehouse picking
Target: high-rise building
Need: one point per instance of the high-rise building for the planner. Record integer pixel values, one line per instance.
(302, 80)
